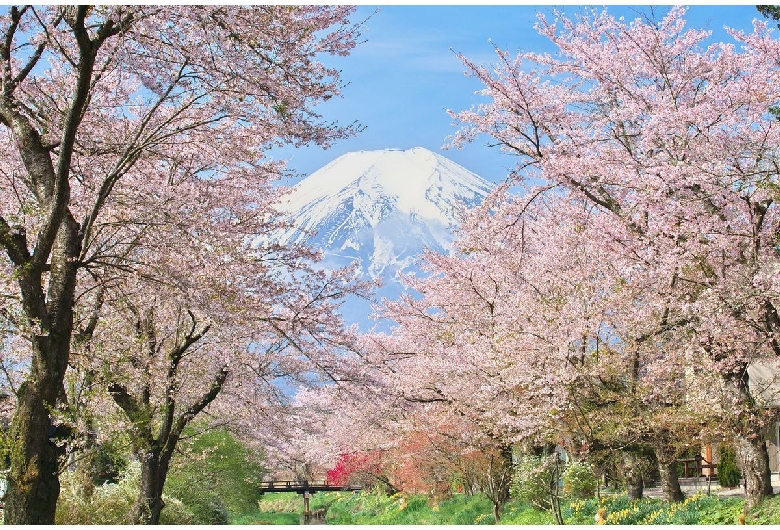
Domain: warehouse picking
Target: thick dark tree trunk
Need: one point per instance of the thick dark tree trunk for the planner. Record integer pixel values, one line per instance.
(635, 487)
(33, 481)
(47, 276)
(753, 461)
(154, 470)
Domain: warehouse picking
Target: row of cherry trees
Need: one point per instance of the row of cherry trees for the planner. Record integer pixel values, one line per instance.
(136, 196)
(614, 293)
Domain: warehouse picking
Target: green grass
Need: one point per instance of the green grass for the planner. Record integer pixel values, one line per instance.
(768, 512)
(698, 509)
(344, 508)
(283, 508)
(401, 509)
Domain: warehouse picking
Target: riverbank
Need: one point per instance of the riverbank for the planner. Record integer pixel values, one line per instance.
(375, 508)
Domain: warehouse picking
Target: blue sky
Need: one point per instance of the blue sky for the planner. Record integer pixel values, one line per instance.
(405, 75)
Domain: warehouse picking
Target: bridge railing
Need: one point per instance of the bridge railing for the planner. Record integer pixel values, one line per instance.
(300, 485)
(294, 483)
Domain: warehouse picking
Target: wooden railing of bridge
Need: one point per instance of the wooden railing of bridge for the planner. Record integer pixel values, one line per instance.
(302, 486)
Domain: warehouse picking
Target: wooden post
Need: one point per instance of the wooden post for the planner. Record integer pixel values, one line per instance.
(708, 458)
(306, 511)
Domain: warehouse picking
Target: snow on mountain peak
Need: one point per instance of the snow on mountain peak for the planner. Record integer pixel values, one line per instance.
(381, 207)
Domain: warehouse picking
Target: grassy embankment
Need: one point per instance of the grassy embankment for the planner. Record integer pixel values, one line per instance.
(374, 508)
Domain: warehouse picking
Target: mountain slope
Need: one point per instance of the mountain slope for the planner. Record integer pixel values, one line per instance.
(381, 208)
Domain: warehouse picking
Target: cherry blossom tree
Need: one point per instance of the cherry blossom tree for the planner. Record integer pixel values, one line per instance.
(105, 105)
(532, 336)
(673, 141)
(174, 340)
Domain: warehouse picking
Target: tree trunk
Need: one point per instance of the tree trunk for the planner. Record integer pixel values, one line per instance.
(154, 470)
(753, 461)
(632, 470)
(498, 478)
(670, 483)
(751, 454)
(497, 512)
(667, 468)
(33, 481)
(555, 498)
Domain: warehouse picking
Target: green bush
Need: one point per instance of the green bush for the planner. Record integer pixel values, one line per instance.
(531, 481)
(216, 478)
(111, 504)
(721, 511)
(176, 512)
(728, 471)
(579, 481)
(111, 459)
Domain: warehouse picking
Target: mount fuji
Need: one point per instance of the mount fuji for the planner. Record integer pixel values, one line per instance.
(381, 209)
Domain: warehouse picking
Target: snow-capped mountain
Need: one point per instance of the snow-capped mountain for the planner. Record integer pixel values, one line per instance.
(381, 208)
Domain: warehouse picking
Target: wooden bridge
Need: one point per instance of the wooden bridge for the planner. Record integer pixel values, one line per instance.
(303, 486)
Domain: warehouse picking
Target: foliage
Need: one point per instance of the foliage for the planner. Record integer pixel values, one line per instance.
(215, 476)
(698, 509)
(354, 467)
(720, 511)
(728, 470)
(111, 458)
(276, 508)
(112, 503)
(767, 513)
(615, 141)
(281, 503)
(135, 215)
(260, 516)
(370, 508)
(579, 481)
(771, 12)
(532, 481)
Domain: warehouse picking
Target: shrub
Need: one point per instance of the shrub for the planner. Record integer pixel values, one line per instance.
(534, 480)
(579, 481)
(175, 512)
(111, 504)
(110, 461)
(216, 478)
(531, 481)
(728, 471)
